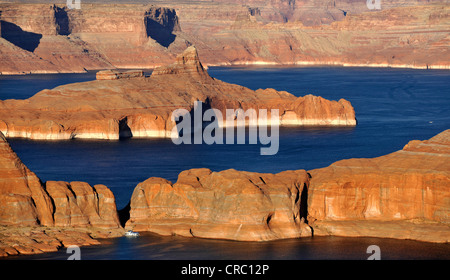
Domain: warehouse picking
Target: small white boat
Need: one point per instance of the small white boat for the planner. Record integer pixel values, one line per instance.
(131, 233)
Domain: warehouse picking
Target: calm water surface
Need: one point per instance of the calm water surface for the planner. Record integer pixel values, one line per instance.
(393, 106)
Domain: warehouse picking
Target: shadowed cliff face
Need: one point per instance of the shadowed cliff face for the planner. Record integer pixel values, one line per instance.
(160, 23)
(26, 40)
(62, 21)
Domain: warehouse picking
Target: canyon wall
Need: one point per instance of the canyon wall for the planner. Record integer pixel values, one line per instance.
(26, 201)
(403, 195)
(48, 38)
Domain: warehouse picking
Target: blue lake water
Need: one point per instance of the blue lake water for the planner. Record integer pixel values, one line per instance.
(393, 106)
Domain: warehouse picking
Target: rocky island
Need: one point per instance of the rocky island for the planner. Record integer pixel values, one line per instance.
(130, 104)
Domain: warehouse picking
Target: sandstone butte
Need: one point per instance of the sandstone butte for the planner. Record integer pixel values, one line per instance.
(131, 105)
(47, 38)
(403, 195)
(38, 217)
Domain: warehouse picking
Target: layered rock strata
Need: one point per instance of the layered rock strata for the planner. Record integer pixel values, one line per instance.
(400, 194)
(230, 204)
(131, 105)
(39, 217)
(403, 195)
(43, 38)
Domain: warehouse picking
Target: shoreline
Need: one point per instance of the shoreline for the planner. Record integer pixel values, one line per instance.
(298, 64)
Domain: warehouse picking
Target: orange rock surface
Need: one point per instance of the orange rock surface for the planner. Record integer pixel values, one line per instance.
(23, 200)
(43, 38)
(38, 217)
(409, 185)
(403, 195)
(138, 106)
(229, 204)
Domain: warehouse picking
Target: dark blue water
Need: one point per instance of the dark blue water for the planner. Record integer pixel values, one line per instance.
(393, 106)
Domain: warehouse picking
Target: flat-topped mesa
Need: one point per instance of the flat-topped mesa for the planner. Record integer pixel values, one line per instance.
(187, 63)
(126, 104)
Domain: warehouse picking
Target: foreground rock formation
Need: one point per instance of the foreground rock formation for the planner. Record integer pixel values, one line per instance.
(405, 194)
(132, 105)
(40, 217)
(230, 204)
(47, 38)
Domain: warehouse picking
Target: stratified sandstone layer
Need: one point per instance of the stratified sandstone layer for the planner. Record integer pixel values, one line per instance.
(404, 194)
(39, 217)
(230, 204)
(132, 105)
(47, 38)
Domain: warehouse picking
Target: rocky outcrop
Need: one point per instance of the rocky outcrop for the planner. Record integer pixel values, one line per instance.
(77, 204)
(411, 185)
(403, 195)
(187, 63)
(42, 38)
(131, 105)
(116, 74)
(39, 217)
(230, 204)
(24, 201)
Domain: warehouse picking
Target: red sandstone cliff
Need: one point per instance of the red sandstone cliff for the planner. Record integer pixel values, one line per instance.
(230, 204)
(40, 217)
(42, 38)
(402, 193)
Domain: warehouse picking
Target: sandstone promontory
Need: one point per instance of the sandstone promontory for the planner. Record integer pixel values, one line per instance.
(129, 104)
(403, 195)
(41, 217)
